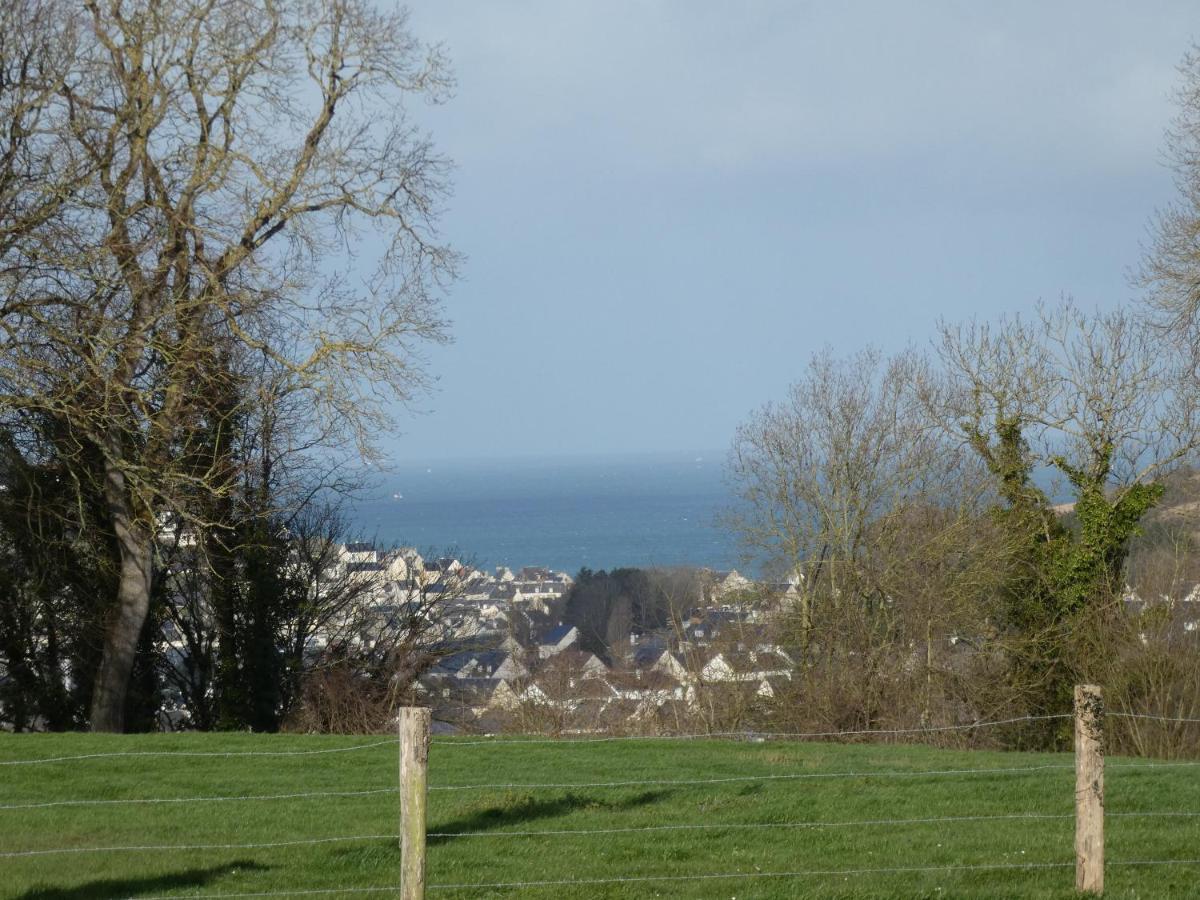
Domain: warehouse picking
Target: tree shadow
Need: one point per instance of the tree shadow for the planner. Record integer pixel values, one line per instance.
(530, 810)
(131, 887)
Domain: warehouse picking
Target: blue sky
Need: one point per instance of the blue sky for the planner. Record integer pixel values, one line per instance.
(667, 206)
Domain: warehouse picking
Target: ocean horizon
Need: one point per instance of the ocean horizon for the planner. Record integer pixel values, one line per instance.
(566, 513)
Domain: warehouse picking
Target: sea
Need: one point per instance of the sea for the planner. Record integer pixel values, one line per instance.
(559, 512)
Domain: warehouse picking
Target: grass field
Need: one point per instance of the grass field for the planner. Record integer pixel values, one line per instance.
(490, 853)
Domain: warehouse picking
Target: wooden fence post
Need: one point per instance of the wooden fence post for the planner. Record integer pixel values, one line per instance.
(1089, 789)
(414, 759)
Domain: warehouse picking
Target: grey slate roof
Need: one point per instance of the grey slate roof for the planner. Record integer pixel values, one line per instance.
(554, 636)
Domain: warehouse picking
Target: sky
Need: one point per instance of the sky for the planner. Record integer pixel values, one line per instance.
(666, 207)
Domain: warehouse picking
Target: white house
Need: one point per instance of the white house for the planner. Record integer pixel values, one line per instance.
(402, 564)
(745, 667)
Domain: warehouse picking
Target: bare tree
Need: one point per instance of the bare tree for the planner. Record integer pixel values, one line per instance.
(216, 166)
(880, 515)
(826, 476)
(1171, 265)
(38, 170)
(1098, 401)
(1096, 396)
(363, 639)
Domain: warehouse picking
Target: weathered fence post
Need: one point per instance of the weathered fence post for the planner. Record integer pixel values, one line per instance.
(1089, 789)
(414, 758)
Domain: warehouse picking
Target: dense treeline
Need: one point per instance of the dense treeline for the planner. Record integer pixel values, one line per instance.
(607, 607)
(234, 598)
(254, 621)
(179, 347)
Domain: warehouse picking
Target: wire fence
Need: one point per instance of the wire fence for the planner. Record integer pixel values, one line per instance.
(188, 754)
(566, 740)
(501, 831)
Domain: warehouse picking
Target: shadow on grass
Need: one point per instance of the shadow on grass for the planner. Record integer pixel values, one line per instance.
(131, 887)
(526, 810)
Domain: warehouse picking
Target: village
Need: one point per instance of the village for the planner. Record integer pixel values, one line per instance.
(507, 658)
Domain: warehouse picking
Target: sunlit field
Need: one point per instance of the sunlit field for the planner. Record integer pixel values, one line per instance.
(688, 819)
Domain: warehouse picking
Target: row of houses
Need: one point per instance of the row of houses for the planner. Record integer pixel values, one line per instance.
(406, 567)
(510, 654)
(506, 685)
(519, 666)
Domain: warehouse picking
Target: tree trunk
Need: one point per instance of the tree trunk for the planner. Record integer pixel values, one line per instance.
(14, 637)
(135, 542)
(224, 595)
(927, 712)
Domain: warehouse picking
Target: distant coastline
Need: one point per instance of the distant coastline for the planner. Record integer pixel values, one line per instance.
(561, 512)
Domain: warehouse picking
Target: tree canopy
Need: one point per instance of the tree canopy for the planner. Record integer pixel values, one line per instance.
(206, 207)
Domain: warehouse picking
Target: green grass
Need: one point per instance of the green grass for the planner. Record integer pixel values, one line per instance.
(488, 813)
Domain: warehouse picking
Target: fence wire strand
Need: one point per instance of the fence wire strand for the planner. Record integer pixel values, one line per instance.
(180, 754)
(219, 799)
(734, 826)
(148, 847)
(1157, 765)
(885, 773)
(713, 826)
(1174, 720)
(382, 889)
(803, 873)
(813, 824)
(755, 735)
